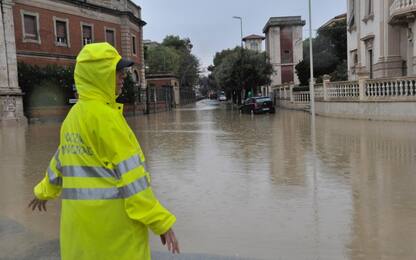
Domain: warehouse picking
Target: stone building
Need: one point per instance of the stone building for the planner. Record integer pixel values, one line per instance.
(11, 106)
(254, 42)
(381, 38)
(284, 46)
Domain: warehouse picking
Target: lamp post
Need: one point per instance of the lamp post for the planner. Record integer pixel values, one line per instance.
(147, 94)
(241, 51)
(241, 28)
(311, 80)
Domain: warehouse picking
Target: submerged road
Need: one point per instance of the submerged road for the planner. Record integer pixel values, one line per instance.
(243, 186)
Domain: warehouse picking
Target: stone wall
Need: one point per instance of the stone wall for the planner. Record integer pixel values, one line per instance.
(394, 111)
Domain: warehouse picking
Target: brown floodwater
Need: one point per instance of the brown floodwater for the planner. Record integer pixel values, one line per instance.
(245, 186)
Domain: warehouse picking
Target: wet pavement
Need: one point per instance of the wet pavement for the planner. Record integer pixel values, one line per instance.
(243, 186)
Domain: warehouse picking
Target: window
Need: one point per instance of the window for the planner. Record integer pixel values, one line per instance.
(404, 68)
(61, 32)
(354, 57)
(87, 34)
(30, 27)
(370, 62)
(31, 31)
(286, 57)
(351, 21)
(133, 43)
(110, 36)
(286, 44)
(369, 7)
(369, 11)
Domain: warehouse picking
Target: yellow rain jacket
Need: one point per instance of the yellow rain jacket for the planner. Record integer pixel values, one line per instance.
(98, 170)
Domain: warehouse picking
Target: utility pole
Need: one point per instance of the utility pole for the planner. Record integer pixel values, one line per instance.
(311, 80)
(241, 51)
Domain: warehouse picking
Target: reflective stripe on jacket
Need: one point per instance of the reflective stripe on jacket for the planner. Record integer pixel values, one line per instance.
(99, 171)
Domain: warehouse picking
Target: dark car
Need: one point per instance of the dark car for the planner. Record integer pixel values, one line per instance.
(258, 105)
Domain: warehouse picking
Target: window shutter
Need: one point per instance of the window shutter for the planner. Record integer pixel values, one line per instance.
(110, 37)
(31, 31)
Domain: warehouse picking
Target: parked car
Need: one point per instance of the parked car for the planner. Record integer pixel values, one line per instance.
(222, 98)
(258, 105)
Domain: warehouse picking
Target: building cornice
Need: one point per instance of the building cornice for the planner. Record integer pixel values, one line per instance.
(284, 21)
(103, 9)
(46, 55)
(367, 37)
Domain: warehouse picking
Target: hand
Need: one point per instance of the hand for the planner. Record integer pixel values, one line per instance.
(169, 239)
(40, 204)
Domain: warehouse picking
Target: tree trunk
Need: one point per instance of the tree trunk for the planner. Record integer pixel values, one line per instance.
(239, 96)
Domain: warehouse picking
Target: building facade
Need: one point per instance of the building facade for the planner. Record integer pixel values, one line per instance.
(381, 38)
(284, 47)
(54, 31)
(11, 104)
(254, 42)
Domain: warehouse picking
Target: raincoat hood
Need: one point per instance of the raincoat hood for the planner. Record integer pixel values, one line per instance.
(95, 72)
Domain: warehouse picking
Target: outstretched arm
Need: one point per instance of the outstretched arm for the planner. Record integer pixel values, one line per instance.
(51, 185)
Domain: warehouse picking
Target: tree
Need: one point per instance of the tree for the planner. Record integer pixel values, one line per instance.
(174, 56)
(239, 70)
(177, 43)
(330, 54)
(207, 84)
(162, 59)
(48, 85)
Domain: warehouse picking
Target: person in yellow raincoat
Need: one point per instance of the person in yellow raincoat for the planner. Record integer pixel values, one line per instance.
(99, 171)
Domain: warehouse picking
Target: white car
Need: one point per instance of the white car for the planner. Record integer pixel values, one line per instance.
(222, 98)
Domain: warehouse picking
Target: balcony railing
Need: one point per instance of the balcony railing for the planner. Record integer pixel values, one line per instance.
(400, 7)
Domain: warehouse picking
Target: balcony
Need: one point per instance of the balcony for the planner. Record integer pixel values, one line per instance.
(401, 10)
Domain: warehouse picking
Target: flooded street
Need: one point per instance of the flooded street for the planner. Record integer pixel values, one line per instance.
(244, 186)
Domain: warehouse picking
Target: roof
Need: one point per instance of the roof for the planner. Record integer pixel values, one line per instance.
(284, 21)
(150, 43)
(331, 22)
(254, 37)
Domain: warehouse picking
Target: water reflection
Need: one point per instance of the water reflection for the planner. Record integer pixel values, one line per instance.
(247, 186)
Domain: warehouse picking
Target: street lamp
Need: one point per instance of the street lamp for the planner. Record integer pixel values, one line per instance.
(311, 80)
(241, 26)
(147, 94)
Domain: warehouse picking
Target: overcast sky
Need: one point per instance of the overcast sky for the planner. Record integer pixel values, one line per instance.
(210, 26)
